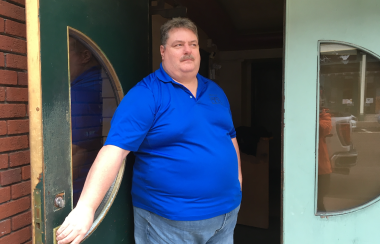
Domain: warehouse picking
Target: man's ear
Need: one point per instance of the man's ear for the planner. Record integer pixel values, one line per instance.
(86, 56)
(162, 51)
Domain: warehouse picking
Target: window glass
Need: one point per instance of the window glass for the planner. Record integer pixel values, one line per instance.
(349, 128)
(95, 94)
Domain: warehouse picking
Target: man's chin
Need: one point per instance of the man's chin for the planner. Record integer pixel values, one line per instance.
(188, 68)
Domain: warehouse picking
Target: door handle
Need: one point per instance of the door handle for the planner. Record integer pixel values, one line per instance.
(59, 201)
(55, 233)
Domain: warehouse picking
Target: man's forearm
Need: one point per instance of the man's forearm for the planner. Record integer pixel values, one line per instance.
(234, 141)
(101, 175)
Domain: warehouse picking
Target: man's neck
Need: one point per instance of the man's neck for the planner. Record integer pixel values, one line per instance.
(186, 82)
(191, 83)
(192, 86)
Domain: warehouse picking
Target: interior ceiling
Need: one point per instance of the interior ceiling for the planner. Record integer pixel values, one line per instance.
(238, 24)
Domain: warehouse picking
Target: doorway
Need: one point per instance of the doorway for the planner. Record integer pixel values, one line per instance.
(246, 61)
(266, 102)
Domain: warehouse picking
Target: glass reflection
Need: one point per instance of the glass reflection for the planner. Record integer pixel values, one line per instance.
(349, 131)
(93, 102)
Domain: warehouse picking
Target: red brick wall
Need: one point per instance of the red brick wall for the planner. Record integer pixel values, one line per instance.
(15, 215)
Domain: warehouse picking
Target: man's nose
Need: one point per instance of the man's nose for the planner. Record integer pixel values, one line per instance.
(187, 49)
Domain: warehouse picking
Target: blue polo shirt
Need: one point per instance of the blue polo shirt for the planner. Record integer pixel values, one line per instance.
(186, 166)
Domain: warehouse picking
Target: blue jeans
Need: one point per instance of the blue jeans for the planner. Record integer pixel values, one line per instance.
(151, 228)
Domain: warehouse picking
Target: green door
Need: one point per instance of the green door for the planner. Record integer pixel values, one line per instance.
(83, 56)
(331, 130)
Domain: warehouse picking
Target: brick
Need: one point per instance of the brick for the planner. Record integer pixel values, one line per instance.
(15, 28)
(12, 44)
(28, 242)
(12, 111)
(2, 62)
(17, 237)
(16, 61)
(25, 172)
(21, 2)
(10, 176)
(23, 78)
(8, 77)
(5, 195)
(3, 126)
(14, 207)
(13, 143)
(5, 227)
(19, 158)
(15, 94)
(12, 11)
(3, 161)
(2, 94)
(21, 220)
(20, 189)
(2, 25)
(18, 126)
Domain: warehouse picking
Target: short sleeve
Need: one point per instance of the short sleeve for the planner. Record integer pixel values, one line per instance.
(232, 131)
(132, 120)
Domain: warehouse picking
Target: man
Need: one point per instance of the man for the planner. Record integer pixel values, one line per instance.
(187, 178)
(86, 114)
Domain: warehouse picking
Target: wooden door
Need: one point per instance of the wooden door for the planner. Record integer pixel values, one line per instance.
(65, 121)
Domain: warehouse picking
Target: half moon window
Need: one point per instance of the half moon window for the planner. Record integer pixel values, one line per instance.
(348, 128)
(95, 92)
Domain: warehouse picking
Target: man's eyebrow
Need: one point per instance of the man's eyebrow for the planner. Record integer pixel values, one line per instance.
(184, 41)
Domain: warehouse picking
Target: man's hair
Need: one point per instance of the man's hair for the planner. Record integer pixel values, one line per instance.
(174, 24)
(78, 46)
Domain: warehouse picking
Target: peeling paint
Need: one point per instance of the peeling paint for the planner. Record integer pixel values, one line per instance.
(40, 178)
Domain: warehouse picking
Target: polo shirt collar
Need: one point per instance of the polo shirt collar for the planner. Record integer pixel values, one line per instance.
(164, 77)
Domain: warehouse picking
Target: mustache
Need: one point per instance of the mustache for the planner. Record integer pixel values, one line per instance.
(186, 57)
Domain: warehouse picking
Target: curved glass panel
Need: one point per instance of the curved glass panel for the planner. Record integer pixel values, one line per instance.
(95, 93)
(349, 128)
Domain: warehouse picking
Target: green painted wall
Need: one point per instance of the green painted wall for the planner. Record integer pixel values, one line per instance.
(307, 22)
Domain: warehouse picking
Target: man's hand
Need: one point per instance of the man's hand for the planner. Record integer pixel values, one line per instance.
(99, 179)
(234, 141)
(241, 181)
(75, 226)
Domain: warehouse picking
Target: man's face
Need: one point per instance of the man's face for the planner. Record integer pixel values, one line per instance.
(180, 56)
(79, 60)
(74, 60)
